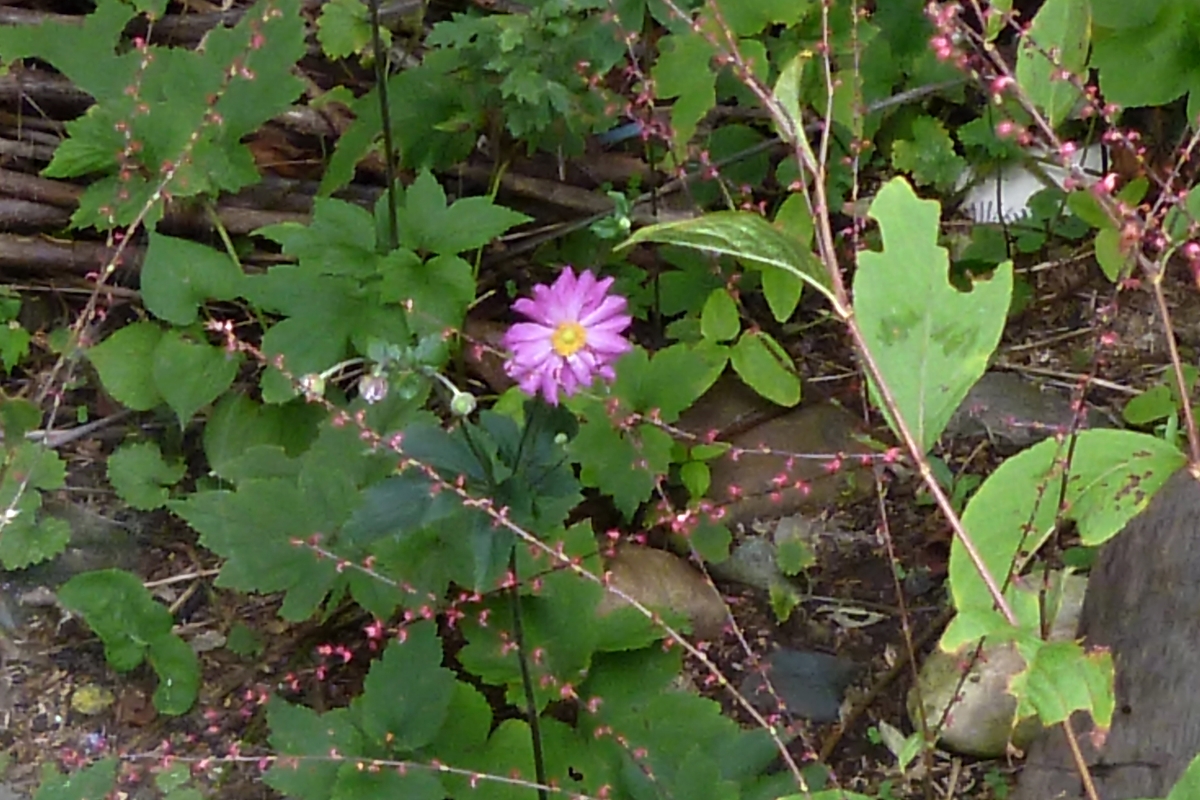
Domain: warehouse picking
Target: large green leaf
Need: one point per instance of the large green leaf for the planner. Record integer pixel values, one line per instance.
(930, 341)
(1113, 476)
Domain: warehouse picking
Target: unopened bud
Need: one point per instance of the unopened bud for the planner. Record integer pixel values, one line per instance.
(462, 404)
(313, 386)
(373, 388)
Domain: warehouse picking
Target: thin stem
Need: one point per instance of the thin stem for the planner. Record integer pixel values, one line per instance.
(539, 761)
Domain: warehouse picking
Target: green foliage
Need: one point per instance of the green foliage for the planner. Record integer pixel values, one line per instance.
(1057, 42)
(929, 155)
(89, 783)
(134, 627)
(142, 476)
(27, 535)
(931, 342)
(14, 339)
(326, 496)
(204, 102)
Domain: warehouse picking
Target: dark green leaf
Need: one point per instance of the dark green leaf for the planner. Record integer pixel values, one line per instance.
(179, 276)
(407, 692)
(190, 375)
(140, 475)
(178, 674)
(125, 361)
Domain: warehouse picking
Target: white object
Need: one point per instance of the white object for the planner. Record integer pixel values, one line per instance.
(1004, 196)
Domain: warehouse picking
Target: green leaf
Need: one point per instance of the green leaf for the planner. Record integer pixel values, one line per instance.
(140, 475)
(344, 29)
(745, 236)
(929, 156)
(1114, 475)
(1057, 41)
(340, 240)
(930, 341)
(1188, 784)
(1152, 405)
(17, 417)
(696, 478)
(255, 528)
(76, 49)
(471, 223)
(676, 377)
(621, 464)
(1061, 679)
(28, 540)
(178, 671)
(120, 610)
(93, 782)
(407, 692)
(782, 291)
(386, 784)
(125, 362)
(179, 276)
(683, 72)
(427, 224)
(766, 368)
(297, 732)
(719, 321)
(1148, 60)
(190, 375)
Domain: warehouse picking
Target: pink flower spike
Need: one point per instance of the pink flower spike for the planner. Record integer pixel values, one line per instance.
(574, 335)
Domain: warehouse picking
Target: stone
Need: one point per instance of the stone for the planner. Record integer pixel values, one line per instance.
(752, 485)
(980, 721)
(664, 582)
(810, 684)
(1143, 602)
(1015, 413)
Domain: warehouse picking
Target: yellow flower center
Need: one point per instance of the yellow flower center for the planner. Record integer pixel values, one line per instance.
(568, 339)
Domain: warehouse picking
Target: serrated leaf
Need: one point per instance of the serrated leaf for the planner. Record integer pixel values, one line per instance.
(344, 29)
(179, 276)
(719, 321)
(356, 783)
(93, 782)
(125, 361)
(745, 236)
(766, 368)
(1057, 41)
(297, 732)
(178, 672)
(17, 417)
(471, 223)
(407, 692)
(189, 375)
(141, 476)
(1061, 679)
(930, 341)
(682, 71)
(929, 155)
(27, 540)
(670, 382)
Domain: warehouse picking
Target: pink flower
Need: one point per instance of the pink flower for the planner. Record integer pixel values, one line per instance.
(574, 335)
